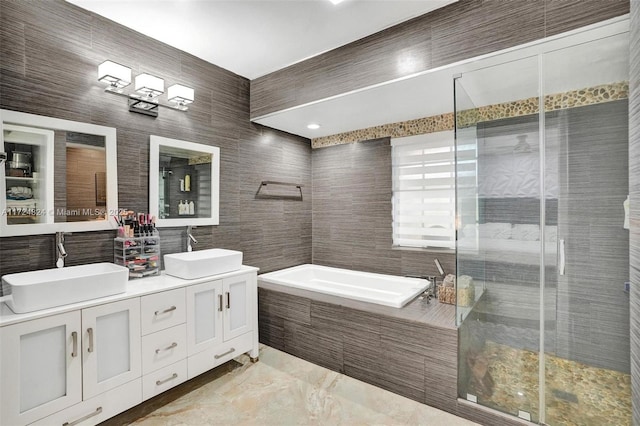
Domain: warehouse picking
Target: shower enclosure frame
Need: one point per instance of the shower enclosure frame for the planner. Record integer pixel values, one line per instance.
(537, 52)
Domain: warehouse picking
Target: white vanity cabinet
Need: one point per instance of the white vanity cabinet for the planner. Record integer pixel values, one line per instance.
(85, 365)
(52, 363)
(41, 368)
(110, 346)
(164, 341)
(221, 322)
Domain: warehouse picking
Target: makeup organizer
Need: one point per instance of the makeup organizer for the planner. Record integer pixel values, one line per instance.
(140, 254)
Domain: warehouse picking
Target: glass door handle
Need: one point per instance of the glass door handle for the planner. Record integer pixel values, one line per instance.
(561, 257)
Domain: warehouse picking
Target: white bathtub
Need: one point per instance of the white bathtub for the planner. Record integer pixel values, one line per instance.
(388, 290)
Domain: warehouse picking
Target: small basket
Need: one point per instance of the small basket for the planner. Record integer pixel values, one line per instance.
(447, 295)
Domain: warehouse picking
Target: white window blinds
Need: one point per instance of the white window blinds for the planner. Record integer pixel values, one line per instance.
(424, 190)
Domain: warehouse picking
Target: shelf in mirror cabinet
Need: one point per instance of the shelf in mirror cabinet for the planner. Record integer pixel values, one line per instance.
(22, 179)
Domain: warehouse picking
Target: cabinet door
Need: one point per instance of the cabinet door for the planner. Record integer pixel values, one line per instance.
(110, 346)
(40, 368)
(204, 316)
(238, 310)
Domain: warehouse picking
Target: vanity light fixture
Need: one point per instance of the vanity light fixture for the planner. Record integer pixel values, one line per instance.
(149, 86)
(180, 95)
(336, 1)
(116, 75)
(147, 89)
(313, 126)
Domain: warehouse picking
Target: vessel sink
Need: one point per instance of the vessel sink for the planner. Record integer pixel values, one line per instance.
(47, 288)
(202, 263)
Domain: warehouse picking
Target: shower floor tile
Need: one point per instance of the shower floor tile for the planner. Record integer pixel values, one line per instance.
(576, 393)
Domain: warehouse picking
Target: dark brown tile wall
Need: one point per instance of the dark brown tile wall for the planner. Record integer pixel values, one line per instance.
(634, 185)
(352, 216)
(50, 53)
(461, 30)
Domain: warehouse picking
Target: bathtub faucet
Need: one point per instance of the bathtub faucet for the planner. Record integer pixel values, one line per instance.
(430, 291)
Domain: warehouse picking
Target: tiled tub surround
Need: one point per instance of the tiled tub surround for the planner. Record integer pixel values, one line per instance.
(442, 122)
(410, 351)
(352, 214)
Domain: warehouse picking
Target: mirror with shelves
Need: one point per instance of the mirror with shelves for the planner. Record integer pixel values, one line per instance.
(59, 175)
(183, 182)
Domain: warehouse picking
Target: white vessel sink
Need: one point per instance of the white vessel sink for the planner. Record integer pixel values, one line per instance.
(202, 263)
(35, 290)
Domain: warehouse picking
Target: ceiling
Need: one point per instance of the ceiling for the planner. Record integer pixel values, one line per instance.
(256, 37)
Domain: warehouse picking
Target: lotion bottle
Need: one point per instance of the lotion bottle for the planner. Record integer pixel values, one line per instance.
(187, 183)
(192, 208)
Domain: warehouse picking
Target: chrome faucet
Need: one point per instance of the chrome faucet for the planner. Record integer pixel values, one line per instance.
(431, 291)
(61, 252)
(190, 238)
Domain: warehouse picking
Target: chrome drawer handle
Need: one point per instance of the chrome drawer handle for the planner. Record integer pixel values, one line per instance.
(226, 353)
(74, 337)
(228, 300)
(82, 419)
(171, 346)
(90, 332)
(162, 382)
(173, 308)
(220, 302)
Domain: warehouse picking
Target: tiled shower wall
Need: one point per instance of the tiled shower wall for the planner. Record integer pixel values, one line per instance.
(634, 185)
(50, 53)
(352, 213)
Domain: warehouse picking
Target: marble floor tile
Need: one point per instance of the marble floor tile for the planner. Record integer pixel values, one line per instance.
(281, 389)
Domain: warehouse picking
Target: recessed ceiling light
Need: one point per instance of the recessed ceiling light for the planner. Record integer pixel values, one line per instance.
(313, 126)
(336, 1)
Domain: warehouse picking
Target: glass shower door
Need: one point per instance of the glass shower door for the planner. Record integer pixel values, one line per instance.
(499, 211)
(542, 170)
(466, 150)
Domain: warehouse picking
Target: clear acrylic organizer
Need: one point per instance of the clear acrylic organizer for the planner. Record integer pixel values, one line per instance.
(140, 254)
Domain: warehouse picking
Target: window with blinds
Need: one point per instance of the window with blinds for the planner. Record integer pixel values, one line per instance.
(424, 190)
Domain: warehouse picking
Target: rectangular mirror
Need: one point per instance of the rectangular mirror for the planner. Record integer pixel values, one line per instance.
(59, 175)
(183, 182)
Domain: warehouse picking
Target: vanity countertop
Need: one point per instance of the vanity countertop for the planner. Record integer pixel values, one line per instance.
(135, 288)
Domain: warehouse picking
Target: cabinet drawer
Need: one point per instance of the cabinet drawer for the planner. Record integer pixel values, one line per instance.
(163, 310)
(206, 360)
(99, 408)
(164, 379)
(163, 348)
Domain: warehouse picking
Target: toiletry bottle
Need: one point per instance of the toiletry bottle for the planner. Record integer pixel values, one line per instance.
(180, 208)
(182, 185)
(192, 208)
(187, 183)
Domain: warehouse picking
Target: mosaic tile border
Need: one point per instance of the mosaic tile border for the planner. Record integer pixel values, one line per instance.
(438, 123)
